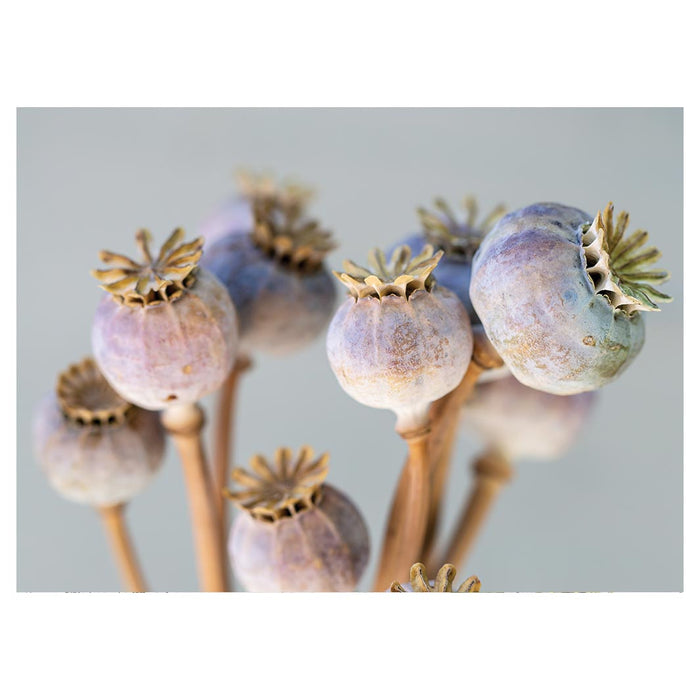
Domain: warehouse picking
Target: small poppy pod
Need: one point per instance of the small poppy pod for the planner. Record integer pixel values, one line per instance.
(560, 293)
(166, 332)
(458, 239)
(275, 275)
(236, 215)
(94, 447)
(419, 582)
(400, 341)
(523, 423)
(295, 533)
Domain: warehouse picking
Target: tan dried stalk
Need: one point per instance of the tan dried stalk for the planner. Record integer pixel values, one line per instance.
(224, 433)
(122, 548)
(184, 423)
(491, 472)
(445, 417)
(409, 512)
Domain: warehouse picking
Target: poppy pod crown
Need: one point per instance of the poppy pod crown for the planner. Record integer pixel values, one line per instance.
(281, 488)
(419, 582)
(86, 398)
(155, 280)
(458, 239)
(401, 276)
(289, 238)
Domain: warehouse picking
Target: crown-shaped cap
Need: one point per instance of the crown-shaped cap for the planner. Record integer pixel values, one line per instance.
(260, 188)
(619, 266)
(401, 275)
(443, 581)
(457, 238)
(164, 278)
(86, 398)
(290, 238)
(281, 488)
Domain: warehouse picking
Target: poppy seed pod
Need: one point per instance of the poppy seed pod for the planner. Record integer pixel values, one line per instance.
(560, 294)
(419, 582)
(275, 275)
(235, 215)
(523, 423)
(166, 333)
(295, 533)
(94, 447)
(399, 341)
(458, 239)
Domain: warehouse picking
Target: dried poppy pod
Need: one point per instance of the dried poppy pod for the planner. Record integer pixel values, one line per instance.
(458, 239)
(98, 449)
(442, 584)
(94, 446)
(165, 334)
(399, 341)
(524, 423)
(236, 214)
(295, 533)
(560, 294)
(275, 275)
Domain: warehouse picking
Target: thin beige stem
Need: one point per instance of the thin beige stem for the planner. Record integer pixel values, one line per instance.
(122, 547)
(224, 432)
(185, 423)
(491, 472)
(445, 419)
(445, 414)
(409, 513)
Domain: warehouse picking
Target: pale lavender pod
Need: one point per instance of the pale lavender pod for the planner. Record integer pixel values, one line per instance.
(295, 533)
(98, 450)
(523, 423)
(282, 305)
(559, 294)
(399, 341)
(166, 334)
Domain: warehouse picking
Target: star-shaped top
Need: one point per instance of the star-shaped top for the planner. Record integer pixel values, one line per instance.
(164, 278)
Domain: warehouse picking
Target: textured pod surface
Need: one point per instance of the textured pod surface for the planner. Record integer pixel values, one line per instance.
(280, 309)
(395, 353)
(539, 306)
(524, 423)
(451, 273)
(170, 353)
(98, 465)
(323, 548)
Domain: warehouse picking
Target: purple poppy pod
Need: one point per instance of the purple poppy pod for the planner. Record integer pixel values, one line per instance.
(275, 275)
(166, 332)
(458, 239)
(94, 446)
(523, 423)
(560, 293)
(235, 215)
(295, 533)
(400, 341)
(419, 582)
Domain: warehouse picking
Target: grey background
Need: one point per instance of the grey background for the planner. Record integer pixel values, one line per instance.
(608, 516)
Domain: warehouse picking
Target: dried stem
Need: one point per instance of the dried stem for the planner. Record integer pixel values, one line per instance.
(491, 472)
(445, 417)
(185, 423)
(122, 548)
(409, 513)
(224, 431)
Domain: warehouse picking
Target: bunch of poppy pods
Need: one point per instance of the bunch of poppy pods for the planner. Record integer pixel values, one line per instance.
(506, 327)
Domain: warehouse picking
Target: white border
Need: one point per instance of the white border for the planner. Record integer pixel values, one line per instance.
(345, 54)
